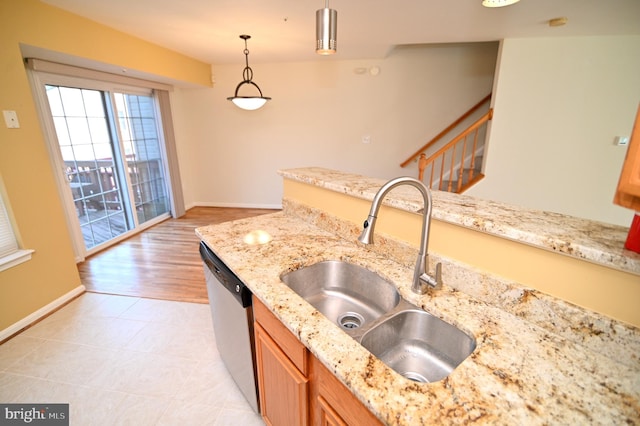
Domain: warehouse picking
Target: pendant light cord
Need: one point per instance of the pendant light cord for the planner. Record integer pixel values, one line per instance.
(247, 73)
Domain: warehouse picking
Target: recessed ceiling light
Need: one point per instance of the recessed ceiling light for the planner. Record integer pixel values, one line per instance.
(498, 3)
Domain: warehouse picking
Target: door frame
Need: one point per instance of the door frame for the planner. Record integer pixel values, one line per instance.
(38, 80)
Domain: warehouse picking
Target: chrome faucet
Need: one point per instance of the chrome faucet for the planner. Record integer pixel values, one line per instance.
(421, 278)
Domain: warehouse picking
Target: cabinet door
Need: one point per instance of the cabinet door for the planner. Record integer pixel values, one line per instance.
(283, 388)
(628, 192)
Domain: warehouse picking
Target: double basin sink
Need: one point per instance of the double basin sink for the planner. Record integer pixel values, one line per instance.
(411, 341)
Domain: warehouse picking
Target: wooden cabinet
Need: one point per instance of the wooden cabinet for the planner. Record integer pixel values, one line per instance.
(332, 404)
(282, 371)
(628, 192)
(295, 388)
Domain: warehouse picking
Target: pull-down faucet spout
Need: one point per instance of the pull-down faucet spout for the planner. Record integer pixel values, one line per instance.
(421, 277)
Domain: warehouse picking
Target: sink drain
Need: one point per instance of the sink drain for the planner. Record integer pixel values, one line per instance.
(416, 377)
(350, 320)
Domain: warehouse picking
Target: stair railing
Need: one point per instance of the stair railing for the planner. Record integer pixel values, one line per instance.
(445, 131)
(451, 163)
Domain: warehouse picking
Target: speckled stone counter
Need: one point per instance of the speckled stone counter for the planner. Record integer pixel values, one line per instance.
(596, 242)
(583, 370)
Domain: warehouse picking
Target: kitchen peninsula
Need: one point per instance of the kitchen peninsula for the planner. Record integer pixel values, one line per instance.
(539, 359)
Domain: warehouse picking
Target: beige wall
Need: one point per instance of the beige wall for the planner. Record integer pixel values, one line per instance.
(319, 113)
(559, 103)
(24, 163)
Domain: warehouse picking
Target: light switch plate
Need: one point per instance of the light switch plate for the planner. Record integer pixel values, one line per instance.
(621, 140)
(11, 119)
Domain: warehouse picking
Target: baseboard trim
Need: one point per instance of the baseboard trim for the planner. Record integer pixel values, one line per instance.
(40, 313)
(237, 205)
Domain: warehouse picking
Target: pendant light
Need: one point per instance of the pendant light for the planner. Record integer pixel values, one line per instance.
(498, 3)
(248, 102)
(326, 30)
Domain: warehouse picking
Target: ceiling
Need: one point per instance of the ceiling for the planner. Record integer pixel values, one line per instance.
(284, 30)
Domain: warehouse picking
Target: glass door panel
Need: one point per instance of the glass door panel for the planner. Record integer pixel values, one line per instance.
(86, 145)
(143, 154)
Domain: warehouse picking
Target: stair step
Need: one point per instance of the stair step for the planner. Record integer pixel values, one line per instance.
(477, 163)
(465, 180)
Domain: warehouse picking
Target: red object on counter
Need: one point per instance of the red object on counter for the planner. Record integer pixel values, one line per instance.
(633, 238)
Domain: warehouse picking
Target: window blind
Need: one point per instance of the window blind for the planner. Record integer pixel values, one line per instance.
(45, 66)
(8, 244)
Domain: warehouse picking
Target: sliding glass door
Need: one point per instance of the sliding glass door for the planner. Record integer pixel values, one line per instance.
(89, 155)
(143, 154)
(109, 146)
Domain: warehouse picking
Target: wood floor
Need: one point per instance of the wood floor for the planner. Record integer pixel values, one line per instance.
(161, 262)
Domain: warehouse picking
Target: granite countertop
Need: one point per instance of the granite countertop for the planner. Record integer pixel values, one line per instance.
(597, 242)
(520, 372)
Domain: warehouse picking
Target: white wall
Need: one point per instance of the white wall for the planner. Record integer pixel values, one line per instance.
(319, 113)
(558, 105)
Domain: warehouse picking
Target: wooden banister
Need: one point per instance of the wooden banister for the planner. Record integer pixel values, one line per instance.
(445, 131)
(464, 134)
(458, 165)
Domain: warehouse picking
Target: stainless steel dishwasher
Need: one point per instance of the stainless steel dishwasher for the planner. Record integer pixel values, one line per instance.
(230, 302)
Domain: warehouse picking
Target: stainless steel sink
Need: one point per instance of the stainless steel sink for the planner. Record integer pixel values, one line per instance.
(348, 294)
(418, 345)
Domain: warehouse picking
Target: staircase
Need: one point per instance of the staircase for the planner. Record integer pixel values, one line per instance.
(456, 165)
(464, 180)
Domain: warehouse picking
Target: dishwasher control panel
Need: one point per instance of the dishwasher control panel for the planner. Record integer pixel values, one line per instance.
(225, 276)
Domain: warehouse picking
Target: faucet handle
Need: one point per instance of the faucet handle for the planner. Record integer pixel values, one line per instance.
(438, 275)
(433, 282)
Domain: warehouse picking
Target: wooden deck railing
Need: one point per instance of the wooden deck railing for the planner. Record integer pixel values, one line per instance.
(94, 183)
(455, 166)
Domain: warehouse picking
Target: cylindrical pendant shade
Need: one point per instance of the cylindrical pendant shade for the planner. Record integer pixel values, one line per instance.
(326, 31)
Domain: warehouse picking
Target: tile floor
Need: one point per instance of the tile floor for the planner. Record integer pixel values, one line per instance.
(121, 360)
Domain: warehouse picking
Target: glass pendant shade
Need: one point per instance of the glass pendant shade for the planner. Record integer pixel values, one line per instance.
(326, 31)
(498, 3)
(248, 102)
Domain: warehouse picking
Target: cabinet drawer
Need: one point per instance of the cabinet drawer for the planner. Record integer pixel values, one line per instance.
(290, 345)
(335, 404)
